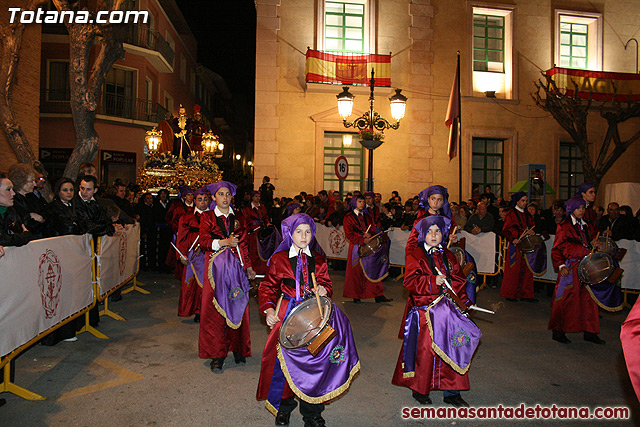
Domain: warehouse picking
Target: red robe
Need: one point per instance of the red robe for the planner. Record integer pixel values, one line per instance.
(255, 219)
(281, 278)
(630, 339)
(177, 208)
(216, 339)
(590, 215)
(518, 279)
(575, 310)
(190, 293)
(412, 241)
(374, 216)
(356, 284)
(431, 372)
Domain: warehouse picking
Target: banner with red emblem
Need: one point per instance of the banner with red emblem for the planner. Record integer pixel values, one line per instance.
(41, 284)
(348, 68)
(118, 258)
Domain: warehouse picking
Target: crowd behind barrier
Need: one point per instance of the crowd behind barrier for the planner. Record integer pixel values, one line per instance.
(50, 282)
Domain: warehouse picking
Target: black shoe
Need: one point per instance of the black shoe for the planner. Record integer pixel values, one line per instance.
(282, 418)
(357, 301)
(560, 337)
(217, 364)
(3, 401)
(529, 299)
(239, 358)
(456, 400)
(196, 318)
(511, 299)
(316, 421)
(594, 338)
(382, 298)
(422, 398)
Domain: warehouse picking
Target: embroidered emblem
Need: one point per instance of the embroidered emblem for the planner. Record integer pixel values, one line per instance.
(122, 258)
(384, 259)
(460, 338)
(471, 277)
(236, 293)
(337, 354)
(336, 241)
(49, 280)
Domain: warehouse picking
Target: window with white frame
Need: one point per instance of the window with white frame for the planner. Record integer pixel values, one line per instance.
(578, 40)
(346, 26)
(492, 43)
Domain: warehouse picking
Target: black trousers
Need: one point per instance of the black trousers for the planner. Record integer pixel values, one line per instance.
(308, 410)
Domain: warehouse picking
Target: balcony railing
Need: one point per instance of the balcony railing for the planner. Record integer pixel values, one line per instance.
(149, 39)
(109, 105)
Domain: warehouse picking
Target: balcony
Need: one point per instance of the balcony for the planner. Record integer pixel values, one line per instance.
(141, 40)
(120, 108)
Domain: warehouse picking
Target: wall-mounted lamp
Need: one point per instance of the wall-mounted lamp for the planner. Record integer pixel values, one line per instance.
(490, 94)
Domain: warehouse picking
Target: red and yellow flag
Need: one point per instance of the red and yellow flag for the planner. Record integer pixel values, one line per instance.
(599, 83)
(348, 69)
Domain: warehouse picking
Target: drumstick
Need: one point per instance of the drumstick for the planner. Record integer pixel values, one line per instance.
(278, 308)
(239, 254)
(607, 238)
(367, 229)
(194, 243)
(315, 289)
(178, 250)
(453, 232)
(456, 297)
(523, 233)
(382, 232)
(594, 247)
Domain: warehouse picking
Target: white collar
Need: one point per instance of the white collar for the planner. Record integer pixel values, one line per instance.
(575, 220)
(357, 211)
(294, 250)
(519, 210)
(199, 211)
(218, 212)
(429, 249)
(189, 204)
(253, 205)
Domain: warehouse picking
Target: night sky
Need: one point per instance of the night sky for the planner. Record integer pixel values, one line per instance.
(225, 31)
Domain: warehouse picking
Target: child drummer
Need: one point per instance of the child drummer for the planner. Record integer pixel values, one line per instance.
(284, 371)
(428, 266)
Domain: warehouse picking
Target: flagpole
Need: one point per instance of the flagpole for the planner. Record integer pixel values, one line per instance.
(459, 132)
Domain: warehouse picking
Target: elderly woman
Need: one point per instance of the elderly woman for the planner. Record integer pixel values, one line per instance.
(62, 210)
(23, 178)
(12, 232)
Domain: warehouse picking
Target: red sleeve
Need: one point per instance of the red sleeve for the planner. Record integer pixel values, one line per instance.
(418, 277)
(322, 273)
(186, 236)
(352, 229)
(209, 230)
(630, 339)
(511, 227)
(563, 247)
(459, 281)
(243, 246)
(269, 288)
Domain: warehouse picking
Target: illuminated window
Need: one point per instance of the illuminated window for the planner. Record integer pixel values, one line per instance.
(346, 26)
(578, 40)
(488, 43)
(342, 144)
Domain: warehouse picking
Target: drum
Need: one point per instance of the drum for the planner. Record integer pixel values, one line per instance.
(607, 245)
(305, 326)
(596, 268)
(529, 243)
(462, 260)
(372, 246)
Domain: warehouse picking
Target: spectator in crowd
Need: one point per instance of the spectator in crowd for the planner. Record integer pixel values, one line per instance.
(408, 216)
(327, 202)
(475, 193)
(62, 210)
(626, 211)
(335, 219)
(489, 195)
(89, 210)
(118, 194)
(615, 225)
(36, 197)
(550, 218)
(535, 213)
(336, 195)
(487, 199)
(377, 199)
(499, 223)
(23, 178)
(386, 217)
(266, 192)
(599, 210)
(458, 214)
(480, 222)
(12, 231)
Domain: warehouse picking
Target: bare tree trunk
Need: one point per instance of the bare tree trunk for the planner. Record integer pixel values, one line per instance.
(85, 85)
(571, 114)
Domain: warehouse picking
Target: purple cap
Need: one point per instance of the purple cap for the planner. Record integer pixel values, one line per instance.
(213, 189)
(574, 203)
(184, 190)
(435, 189)
(292, 207)
(289, 225)
(422, 226)
(202, 190)
(583, 188)
(515, 197)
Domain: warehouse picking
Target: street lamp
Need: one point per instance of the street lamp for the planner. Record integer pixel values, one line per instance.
(371, 120)
(211, 144)
(153, 138)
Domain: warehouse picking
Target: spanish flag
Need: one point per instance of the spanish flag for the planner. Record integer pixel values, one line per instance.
(599, 83)
(349, 69)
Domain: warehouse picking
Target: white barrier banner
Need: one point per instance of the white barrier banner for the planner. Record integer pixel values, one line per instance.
(482, 248)
(398, 239)
(332, 241)
(118, 259)
(41, 284)
(630, 263)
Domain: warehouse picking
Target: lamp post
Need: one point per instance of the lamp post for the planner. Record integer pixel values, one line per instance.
(153, 138)
(371, 120)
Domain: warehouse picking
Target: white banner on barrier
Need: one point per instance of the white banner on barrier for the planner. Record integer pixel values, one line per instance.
(41, 284)
(332, 241)
(630, 263)
(482, 248)
(118, 258)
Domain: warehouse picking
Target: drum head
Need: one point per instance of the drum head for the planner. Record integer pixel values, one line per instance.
(606, 245)
(595, 268)
(460, 255)
(304, 322)
(530, 243)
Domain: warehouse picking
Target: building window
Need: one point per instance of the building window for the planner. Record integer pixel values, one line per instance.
(571, 175)
(119, 93)
(342, 144)
(578, 40)
(493, 52)
(58, 81)
(346, 26)
(488, 164)
(488, 43)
